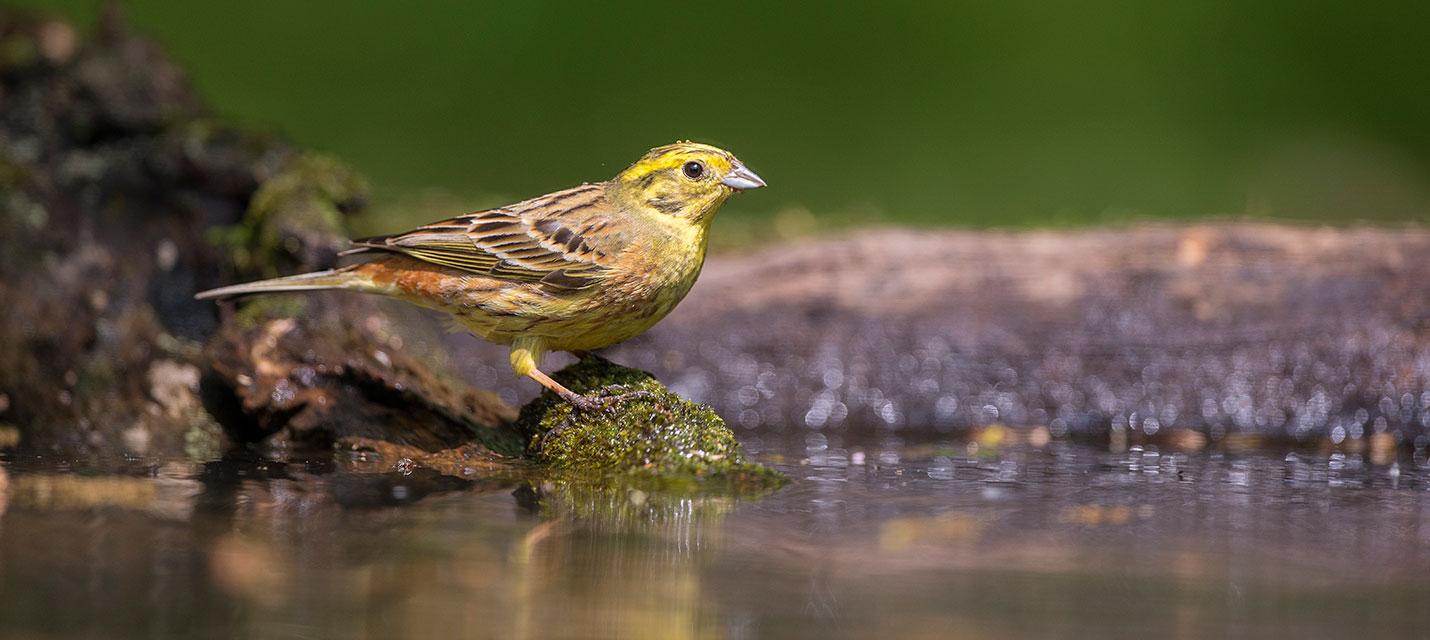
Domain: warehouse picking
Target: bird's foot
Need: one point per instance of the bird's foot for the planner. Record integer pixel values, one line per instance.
(591, 403)
(604, 403)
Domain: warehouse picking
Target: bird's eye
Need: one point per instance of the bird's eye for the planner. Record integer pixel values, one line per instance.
(693, 170)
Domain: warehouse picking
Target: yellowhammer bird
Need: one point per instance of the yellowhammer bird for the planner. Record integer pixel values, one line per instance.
(574, 270)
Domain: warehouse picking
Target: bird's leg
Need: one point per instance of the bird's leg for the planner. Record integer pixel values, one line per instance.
(584, 403)
(526, 362)
(526, 354)
(577, 400)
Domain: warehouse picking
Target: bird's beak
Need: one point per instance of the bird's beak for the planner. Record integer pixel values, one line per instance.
(742, 179)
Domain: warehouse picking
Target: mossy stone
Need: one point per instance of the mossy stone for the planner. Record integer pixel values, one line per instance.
(662, 440)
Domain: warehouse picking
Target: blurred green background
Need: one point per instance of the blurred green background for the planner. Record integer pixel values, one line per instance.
(973, 114)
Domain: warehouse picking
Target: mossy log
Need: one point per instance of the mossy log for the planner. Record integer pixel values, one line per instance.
(120, 197)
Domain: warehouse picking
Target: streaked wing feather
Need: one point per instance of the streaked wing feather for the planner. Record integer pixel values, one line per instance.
(531, 241)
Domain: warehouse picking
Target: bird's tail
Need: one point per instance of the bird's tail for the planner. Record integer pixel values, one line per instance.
(342, 278)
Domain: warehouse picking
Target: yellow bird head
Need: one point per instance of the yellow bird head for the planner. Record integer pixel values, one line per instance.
(686, 179)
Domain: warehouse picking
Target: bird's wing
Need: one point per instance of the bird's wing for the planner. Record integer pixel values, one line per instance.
(547, 240)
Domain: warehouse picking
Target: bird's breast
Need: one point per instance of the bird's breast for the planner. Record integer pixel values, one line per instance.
(647, 283)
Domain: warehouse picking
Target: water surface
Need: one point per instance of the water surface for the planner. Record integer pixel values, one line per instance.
(882, 536)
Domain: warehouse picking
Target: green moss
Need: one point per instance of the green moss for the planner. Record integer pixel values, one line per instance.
(296, 212)
(12, 174)
(311, 178)
(18, 51)
(19, 213)
(662, 441)
(260, 309)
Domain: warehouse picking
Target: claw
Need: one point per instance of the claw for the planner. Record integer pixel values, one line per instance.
(552, 432)
(593, 403)
(583, 403)
(590, 403)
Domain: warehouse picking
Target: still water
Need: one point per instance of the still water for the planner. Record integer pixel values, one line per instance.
(884, 537)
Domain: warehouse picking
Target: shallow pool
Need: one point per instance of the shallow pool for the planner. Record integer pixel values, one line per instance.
(881, 536)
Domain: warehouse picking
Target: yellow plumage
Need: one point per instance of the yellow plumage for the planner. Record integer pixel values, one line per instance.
(573, 270)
